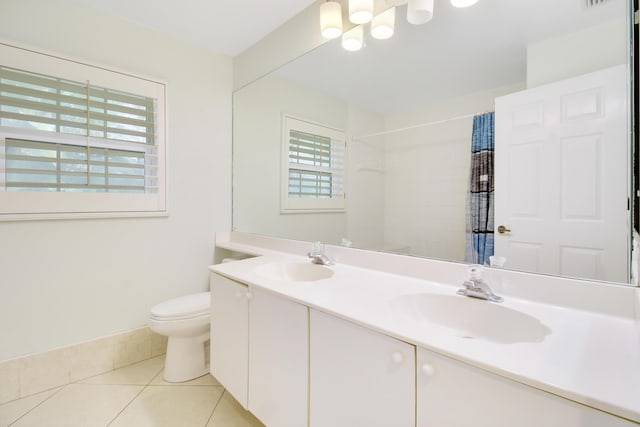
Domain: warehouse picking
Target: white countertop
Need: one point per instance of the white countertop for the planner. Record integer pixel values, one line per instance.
(589, 357)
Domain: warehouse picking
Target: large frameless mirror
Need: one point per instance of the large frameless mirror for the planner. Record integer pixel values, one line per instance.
(548, 81)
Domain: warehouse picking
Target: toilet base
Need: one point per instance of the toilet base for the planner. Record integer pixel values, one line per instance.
(185, 359)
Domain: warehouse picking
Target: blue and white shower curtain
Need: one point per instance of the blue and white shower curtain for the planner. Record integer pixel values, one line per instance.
(479, 222)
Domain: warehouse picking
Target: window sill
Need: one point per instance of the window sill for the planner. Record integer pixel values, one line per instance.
(80, 215)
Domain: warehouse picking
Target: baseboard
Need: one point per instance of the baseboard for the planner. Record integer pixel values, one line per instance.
(35, 373)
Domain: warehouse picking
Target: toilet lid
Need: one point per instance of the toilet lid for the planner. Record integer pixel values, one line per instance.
(183, 307)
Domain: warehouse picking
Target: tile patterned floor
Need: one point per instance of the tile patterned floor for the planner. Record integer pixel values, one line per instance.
(134, 396)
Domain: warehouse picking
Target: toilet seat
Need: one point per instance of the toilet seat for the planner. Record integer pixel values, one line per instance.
(185, 307)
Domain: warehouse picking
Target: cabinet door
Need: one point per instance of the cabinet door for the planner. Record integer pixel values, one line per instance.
(358, 377)
(229, 335)
(278, 360)
(455, 394)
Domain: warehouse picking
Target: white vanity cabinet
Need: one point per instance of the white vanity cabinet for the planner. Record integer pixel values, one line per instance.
(358, 377)
(295, 366)
(454, 394)
(259, 351)
(230, 335)
(278, 360)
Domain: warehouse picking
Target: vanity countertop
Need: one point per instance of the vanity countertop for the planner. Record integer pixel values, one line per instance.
(588, 357)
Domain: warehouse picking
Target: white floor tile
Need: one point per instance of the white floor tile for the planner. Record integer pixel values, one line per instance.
(140, 373)
(170, 406)
(229, 413)
(133, 396)
(79, 405)
(11, 411)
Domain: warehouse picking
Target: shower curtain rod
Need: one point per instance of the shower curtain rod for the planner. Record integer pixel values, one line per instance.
(436, 122)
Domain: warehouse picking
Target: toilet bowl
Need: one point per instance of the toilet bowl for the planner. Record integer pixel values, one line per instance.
(185, 321)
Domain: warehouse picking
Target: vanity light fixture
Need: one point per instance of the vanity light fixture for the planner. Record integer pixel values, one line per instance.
(331, 19)
(463, 3)
(360, 11)
(382, 25)
(352, 40)
(419, 11)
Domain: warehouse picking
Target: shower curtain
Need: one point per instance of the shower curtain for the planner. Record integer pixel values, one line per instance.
(479, 223)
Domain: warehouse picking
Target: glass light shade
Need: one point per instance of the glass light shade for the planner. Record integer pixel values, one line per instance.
(463, 3)
(331, 19)
(360, 11)
(382, 25)
(419, 11)
(352, 40)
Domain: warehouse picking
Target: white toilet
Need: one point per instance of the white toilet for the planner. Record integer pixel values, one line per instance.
(185, 321)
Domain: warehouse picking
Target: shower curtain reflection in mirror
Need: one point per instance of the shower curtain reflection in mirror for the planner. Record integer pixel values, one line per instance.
(480, 195)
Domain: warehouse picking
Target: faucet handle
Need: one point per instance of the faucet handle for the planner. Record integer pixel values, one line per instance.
(475, 272)
(317, 248)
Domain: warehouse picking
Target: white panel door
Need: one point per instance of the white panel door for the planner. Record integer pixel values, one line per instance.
(230, 335)
(278, 360)
(358, 377)
(562, 177)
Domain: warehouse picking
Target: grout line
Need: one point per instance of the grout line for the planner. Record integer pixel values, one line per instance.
(30, 410)
(81, 380)
(127, 405)
(224, 390)
(155, 376)
(136, 396)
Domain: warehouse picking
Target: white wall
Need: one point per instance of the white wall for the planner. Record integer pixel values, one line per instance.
(365, 181)
(63, 282)
(257, 161)
(577, 53)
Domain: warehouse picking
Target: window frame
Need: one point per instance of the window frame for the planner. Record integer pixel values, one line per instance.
(36, 205)
(290, 205)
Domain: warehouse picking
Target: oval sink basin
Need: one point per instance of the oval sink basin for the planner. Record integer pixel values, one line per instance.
(472, 318)
(294, 271)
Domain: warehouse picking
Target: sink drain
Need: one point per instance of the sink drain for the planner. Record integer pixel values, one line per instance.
(463, 334)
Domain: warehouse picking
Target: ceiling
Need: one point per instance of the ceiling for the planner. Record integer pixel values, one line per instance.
(459, 51)
(222, 26)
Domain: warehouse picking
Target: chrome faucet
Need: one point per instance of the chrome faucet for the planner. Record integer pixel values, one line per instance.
(475, 287)
(318, 256)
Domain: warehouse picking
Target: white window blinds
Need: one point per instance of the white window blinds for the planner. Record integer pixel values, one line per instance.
(31, 101)
(314, 166)
(35, 101)
(86, 141)
(43, 166)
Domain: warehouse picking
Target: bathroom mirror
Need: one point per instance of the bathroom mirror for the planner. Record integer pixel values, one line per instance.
(406, 106)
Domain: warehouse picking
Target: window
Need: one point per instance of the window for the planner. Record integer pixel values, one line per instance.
(46, 166)
(84, 142)
(313, 172)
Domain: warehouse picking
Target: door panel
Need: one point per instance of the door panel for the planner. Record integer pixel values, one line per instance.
(562, 177)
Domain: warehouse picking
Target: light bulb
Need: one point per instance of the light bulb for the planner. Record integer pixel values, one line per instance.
(360, 11)
(463, 3)
(352, 39)
(331, 19)
(419, 11)
(382, 25)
